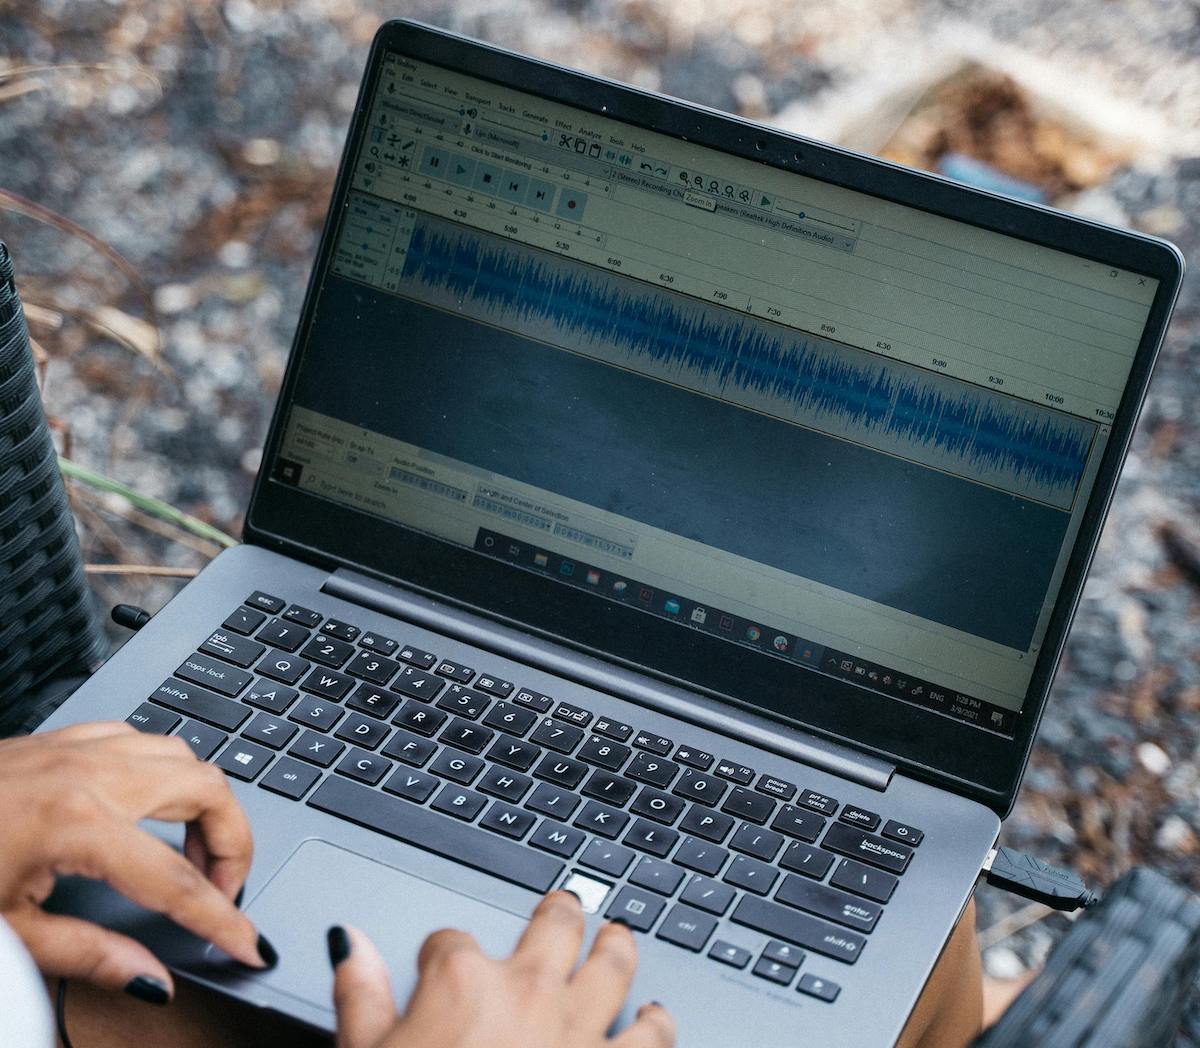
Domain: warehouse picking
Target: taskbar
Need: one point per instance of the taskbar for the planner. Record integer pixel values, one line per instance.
(746, 632)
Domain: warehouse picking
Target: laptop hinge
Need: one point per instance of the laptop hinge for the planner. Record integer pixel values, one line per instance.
(555, 656)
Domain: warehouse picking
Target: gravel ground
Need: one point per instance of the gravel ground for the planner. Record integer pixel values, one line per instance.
(213, 183)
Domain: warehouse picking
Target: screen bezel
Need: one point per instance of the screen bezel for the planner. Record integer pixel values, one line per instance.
(958, 756)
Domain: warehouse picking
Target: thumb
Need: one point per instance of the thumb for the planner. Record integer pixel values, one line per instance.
(362, 991)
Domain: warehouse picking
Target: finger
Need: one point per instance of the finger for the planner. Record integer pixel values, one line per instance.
(91, 730)
(442, 944)
(554, 936)
(362, 992)
(600, 986)
(653, 1028)
(76, 949)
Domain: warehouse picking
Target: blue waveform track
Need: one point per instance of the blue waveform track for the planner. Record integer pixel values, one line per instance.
(850, 393)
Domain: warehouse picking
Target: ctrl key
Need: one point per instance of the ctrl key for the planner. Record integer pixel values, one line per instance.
(153, 720)
(290, 778)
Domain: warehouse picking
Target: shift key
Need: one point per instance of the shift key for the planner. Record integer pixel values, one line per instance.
(196, 702)
(220, 676)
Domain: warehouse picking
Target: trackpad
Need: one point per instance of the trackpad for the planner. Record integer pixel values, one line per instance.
(322, 884)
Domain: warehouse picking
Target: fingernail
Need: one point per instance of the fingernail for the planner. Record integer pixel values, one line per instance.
(339, 944)
(147, 988)
(657, 1004)
(267, 952)
(237, 899)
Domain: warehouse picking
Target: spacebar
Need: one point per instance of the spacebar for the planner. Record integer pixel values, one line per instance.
(439, 834)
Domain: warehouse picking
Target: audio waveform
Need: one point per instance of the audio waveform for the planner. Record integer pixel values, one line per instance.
(847, 392)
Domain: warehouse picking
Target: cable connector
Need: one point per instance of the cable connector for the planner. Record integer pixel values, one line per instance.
(1033, 879)
(132, 618)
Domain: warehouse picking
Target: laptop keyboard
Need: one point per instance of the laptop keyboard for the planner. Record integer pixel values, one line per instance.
(511, 782)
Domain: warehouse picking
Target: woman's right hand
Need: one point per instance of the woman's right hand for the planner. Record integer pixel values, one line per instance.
(537, 998)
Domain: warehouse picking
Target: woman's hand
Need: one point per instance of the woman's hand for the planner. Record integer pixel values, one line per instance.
(536, 998)
(70, 802)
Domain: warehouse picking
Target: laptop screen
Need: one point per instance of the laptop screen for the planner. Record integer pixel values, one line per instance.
(836, 430)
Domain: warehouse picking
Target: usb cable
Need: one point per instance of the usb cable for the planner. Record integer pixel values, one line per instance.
(1033, 879)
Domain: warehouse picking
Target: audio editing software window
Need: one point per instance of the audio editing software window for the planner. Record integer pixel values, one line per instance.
(841, 431)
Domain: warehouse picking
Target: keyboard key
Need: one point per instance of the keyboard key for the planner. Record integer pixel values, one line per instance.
(514, 752)
(750, 806)
(414, 786)
(501, 689)
(636, 908)
(804, 858)
(197, 702)
(286, 636)
(600, 818)
(656, 805)
(604, 752)
(244, 621)
(734, 772)
(562, 771)
(316, 749)
(860, 817)
(409, 748)
(500, 782)
(777, 788)
(329, 684)
(461, 803)
(303, 616)
(554, 801)
(782, 922)
(270, 731)
(760, 843)
(464, 735)
(316, 713)
(650, 837)
(213, 674)
(506, 717)
(418, 718)
(611, 729)
(533, 700)
(605, 786)
(290, 778)
(751, 874)
(576, 715)
(701, 856)
(269, 696)
(701, 760)
(372, 667)
(606, 857)
(417, 684)
(811, 897)
(455, 671)
(265, 602)
(281, 666)
(461, 767)
(464, 702)
(421, 659)
(556, 838)
(368, 698)
(380, 645)
(897, 831)
(658, 876)
(711, 825)
(709, 895)
(327, 650)
(822, 989)
(727, 953)
(362, 731)
(511, 822)
(231, 647)
(686, 927)
(153, 720)
(651, 769)
(202, 738)
(646, 740)
(774, 972)
(863, 880)
(696, 786)
(363, 766)
(887, 855)
(783, 953)
(341, 630)
(796, 822)
(556, 735)
(818, 802)
(244, 760)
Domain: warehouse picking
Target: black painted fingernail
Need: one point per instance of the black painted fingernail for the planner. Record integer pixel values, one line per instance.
(237, 899)
(147, 988)
(657, 1004)
(339, 944)
(267, 952)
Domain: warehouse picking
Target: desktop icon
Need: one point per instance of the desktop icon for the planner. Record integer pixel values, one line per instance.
(780, 643)
(566, 568)
(646, 594)
(671, 607)
(753, 633)
(540, 560)
(699, 615)
(620, 586)
(726, 623)
(593, 577)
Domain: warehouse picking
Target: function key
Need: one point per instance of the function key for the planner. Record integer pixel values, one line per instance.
(455, 671)
(897, 831)
(494, 686)
(868, 820)
(818, 802)
(613, 729)
(768, 784)
(694, 758)
(573, 715)
(822, 989)
(738, 773)
(645, 740)
(265, 602)
(244, 621)
(534, 700)
(303, 616)
(423, 659)
(341, 630)
(380, 645)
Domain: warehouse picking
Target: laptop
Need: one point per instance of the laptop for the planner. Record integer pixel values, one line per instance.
(660, 506)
